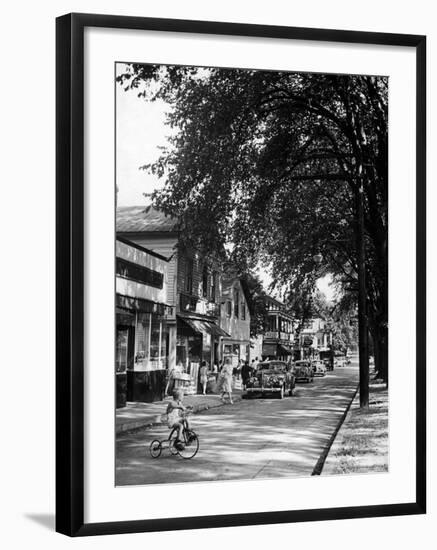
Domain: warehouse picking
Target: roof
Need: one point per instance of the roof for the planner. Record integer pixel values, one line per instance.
(272, 299)
(228, 282)
(141, 219)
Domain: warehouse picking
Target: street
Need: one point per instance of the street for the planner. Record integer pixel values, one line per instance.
(254, 438)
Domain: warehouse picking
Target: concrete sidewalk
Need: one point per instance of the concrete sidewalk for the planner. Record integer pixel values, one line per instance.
(146, 415)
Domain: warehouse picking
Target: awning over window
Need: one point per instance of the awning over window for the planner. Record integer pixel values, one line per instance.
(201, 326)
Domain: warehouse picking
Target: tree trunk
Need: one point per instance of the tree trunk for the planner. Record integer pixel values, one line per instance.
(363, 331)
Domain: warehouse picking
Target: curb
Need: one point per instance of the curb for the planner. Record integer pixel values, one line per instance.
(153, 421)
(322, 458)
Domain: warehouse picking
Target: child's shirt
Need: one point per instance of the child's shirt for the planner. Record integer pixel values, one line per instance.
(173, 413)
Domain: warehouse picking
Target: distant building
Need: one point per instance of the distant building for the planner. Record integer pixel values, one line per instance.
(235, 321)
(141, 353)
(314, 337)
(278, 336)
(193, 291)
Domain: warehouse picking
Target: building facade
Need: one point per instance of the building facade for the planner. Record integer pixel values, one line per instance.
(314, 337)
(278, 339)
(235, 321)
(141, 309)
(193, 290)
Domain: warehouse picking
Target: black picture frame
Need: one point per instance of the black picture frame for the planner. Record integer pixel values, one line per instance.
(70, 273)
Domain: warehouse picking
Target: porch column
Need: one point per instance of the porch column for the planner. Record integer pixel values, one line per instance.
(172, 346)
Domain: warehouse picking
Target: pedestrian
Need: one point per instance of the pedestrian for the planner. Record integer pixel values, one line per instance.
(227, 380)
(254, 364)
(203, 376)
(170, 380)
(246, 371)
(239, 368)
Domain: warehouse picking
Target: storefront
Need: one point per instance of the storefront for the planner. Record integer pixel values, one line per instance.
(197, 340)
(142, 333)
(236, 351)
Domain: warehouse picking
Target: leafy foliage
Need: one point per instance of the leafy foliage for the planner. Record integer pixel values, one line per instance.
(270, 164)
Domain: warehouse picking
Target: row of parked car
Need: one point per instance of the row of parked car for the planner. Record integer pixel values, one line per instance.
(280, 377)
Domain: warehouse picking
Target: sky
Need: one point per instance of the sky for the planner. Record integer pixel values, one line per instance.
(140, 131)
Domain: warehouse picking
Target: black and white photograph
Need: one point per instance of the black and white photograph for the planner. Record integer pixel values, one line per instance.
(251, 274)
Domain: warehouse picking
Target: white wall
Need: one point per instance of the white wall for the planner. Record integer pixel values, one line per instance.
(27, 208)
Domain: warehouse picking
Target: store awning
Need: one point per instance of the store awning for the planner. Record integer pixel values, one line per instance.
(275, 350)
(201, 326)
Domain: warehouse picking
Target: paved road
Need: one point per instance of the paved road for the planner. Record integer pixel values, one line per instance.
(255, 438)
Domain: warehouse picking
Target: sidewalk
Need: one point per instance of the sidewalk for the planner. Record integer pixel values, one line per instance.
(146, 415)
(361, 445)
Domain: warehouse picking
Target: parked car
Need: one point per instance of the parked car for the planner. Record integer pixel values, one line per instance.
(329, 365)
(303, 371)
(271, 377)
(319, 368)
(340, 361)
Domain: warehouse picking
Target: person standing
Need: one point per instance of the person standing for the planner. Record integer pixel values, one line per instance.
(245, 373)
(227, 380)
(203, 376)
(254, 364)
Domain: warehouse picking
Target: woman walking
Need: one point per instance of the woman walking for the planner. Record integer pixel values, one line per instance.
(227, 380)
(203, 376)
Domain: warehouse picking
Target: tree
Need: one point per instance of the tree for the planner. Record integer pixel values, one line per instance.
(272, 162)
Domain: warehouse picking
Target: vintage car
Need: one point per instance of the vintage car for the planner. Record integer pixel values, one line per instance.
(303, 371)
(271, 377)
(319, 368)
(329, 364)
(340, 360)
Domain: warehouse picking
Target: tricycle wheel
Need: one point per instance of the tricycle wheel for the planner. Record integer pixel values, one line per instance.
(155, 448)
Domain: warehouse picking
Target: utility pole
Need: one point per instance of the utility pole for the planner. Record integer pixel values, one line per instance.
(363, 332)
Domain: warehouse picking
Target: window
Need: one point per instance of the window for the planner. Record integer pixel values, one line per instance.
(205, 281)
(189, 266)
(228, 308)
(243, 311)
(213, 287)
(121, 350)
(139, 273)
(236, 302)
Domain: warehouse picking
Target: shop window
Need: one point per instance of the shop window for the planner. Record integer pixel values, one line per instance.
(121, 353)
(155, 339)
(142, 340)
